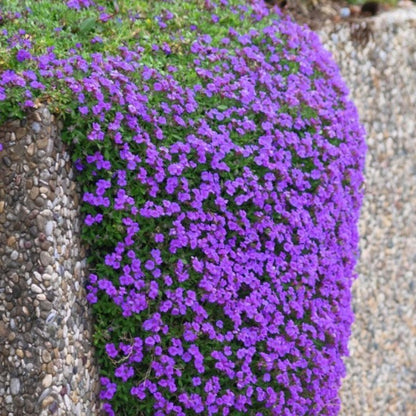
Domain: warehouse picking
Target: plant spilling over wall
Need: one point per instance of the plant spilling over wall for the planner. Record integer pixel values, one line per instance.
(221, 164)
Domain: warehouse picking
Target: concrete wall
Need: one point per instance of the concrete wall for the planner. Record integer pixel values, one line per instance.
(378, 62)
(46, 360)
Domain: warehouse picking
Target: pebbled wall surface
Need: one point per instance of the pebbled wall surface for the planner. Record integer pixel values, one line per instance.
(46, 360)
(378, 63)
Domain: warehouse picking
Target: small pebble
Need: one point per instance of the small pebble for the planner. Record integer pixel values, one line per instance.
(14, 386)
(345, 12)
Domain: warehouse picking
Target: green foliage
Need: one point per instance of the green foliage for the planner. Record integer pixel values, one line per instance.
(51, 26)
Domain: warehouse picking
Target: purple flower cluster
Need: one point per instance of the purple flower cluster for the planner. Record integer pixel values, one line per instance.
(223, 199)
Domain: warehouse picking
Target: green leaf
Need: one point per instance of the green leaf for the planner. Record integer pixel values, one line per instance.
(87, 25)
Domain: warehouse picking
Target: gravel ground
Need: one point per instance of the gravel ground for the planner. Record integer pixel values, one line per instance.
(378, 62)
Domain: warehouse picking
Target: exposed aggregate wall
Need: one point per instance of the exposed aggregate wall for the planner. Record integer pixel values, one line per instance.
(46, 359)
(381, 75)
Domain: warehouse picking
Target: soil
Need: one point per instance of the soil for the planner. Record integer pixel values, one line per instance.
(316, 12)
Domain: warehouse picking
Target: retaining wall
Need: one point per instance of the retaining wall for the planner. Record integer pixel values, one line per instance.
(46, 361)
(378, 63)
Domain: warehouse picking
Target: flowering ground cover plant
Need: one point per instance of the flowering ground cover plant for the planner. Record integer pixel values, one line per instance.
(221, 165)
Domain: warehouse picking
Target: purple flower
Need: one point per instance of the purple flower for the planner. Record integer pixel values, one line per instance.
(90, 220)
(108, 389)
(78, 4)
(23, 55)
(83, 110)
(108, 409)
(111, 350)
(124, 372)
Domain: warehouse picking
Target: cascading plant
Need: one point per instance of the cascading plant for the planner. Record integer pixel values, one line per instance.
(221, 166)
